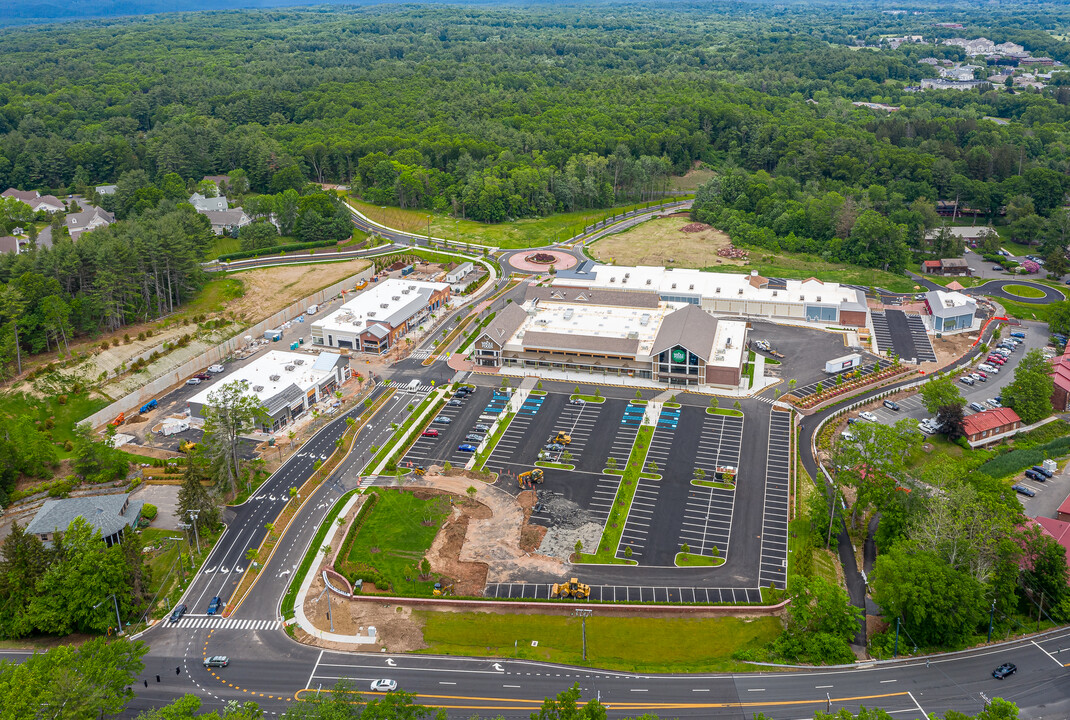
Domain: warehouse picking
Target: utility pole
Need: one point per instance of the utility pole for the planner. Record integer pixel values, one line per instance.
(991, 613)
(1040, 609)
(583, 615)
(194, 514)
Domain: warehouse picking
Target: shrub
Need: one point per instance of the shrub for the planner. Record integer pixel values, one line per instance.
(149, 511)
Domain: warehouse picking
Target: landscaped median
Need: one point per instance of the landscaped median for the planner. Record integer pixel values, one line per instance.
(606, 554)
(389, 454)
(489, 444)
(278, 528)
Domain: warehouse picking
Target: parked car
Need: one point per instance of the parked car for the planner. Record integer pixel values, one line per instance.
(454, 402)
(203, 376)
(179, 611)
(464, 390)
(215, 369)
(474, 437)
(554, 447)
(1042, 470)
(194, 381)
(465, 447)
(867, 415)
(852, 421)
(577, 401)
(481, 427)
(430, 432)
(891, 405)
(976, 407)
(1018, 334)
(993, 403)
(1023, 490)
(982, 372)
(1032, 474)
(997, 268)
(217, 661)
(214, 605)
(442, 419)
(926, 428)
(966, 380)
(1004, 670)
(848, 435)
(384, 685)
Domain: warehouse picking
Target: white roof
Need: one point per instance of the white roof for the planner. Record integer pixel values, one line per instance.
(965, 233)
(590, 324)
(669, 282)
(728, 344)
(391, 301)
(945, 300)
(274, 372)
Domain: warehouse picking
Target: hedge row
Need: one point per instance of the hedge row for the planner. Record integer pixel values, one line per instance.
(313, 549)
(245, 254)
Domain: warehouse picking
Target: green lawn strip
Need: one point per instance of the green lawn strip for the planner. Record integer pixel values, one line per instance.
(399, 441)
(1023, 291)
(611, 534)
(492, 441)
(391, 542)
(557, 466)
(1015, 248)
(588, 398)
(475, 333)
(693, 560)
(310, 555)
(637, 401)
(801, 266)
(714, 484)
(724, 411)
(538, 393)
(749, 370)
(630, 644)
(1025, 310)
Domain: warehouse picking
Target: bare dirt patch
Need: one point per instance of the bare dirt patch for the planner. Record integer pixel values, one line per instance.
(269, 290)
(395, 625)
(663, 242)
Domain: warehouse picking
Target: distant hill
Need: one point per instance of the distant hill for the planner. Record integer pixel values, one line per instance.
(14, 12)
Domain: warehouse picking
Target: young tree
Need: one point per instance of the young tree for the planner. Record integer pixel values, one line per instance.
(193, 496)
(1030, 391)
(229, 413)
(953, 420)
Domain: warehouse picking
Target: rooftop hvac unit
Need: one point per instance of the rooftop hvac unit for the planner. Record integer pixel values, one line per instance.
(569, 313)
(370, 314)
(717, 291)
(412, 287)
(613, 279)
(728, 343)
(299, 361)
(648, 281)
(258, 388)
(275, 378)
(395, 298)
(627, 275)
(645, 319)
(692, 287)
(289, 368)
(819, 298)
(741, 291)
(633, 335)
(384, 306)
(774, 293)
(405, 291)
(674, 286)
(802, 298)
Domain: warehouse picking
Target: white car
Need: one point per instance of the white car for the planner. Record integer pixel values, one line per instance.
(384, 685)
(868, 416)
(216, 369)
(848, 435)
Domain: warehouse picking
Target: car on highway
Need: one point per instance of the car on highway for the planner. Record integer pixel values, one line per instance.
(1023, 490)
(216, 369)
(867, 415)
(1004, 670)
(214, 605)
(429, 432)
(466, 447)
(966, 380)
(384, 685)
(194, 381)
(217, 661)
(443, 420)
(179, 611)
(474, 437)
(1032, 474)
(482, 427)
(976, 407)
(891, 405)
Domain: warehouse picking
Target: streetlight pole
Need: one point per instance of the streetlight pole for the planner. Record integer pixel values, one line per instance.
(584, 614)
(194, 514)
(118, 620)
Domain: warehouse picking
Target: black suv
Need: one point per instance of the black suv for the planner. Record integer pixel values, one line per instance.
(178, 613)
(1004, 670)
(1042, 470)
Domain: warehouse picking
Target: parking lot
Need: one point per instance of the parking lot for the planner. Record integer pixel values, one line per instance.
(902, 334)
(463, 416)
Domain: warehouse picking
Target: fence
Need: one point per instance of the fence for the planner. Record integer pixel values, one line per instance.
(220, 352)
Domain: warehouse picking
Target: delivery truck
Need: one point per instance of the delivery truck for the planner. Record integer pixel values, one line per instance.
(844, 363)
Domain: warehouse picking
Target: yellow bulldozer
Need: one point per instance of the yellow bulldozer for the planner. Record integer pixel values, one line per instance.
(441, 589)
(563, 438)
(571, 589)
(529, 478)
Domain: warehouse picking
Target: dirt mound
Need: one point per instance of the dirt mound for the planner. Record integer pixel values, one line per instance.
(694, 227)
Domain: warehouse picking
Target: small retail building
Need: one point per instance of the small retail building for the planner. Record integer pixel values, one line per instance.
(951, 311)
(110, 514)
(947, 266)
(286, 383)
(990, 426)
(811, 301)
(614, 333)
(375, 319)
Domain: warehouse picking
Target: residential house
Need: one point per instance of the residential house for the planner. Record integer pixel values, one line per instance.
(36, 201)
(226, 221)
(204, 204)
(941, 84)
(106, 189)
(991, 426)
(969, 235)
(947, 266)
(1060, 375)
(110, 514)
(9, 244)
(89, 219)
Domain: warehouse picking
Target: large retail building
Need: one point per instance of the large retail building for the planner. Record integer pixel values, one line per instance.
(614, 333)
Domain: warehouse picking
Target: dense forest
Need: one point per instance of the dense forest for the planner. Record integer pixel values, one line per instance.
(499, 113)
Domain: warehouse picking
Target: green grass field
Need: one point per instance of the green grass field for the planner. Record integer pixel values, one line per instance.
(394, 539)
(1027, 310)
(801, 266)
(614, 643)
(65, 417)
(1023, 291)
(211, 297)
(528, 232)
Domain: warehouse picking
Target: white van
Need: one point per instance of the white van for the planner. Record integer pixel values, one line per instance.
(313, 309)
(413, 386)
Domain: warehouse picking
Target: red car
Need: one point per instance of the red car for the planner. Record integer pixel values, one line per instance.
(996, 359)
(203, 376)
(430, 433)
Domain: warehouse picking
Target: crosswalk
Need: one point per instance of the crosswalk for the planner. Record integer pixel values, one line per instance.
(222, 623)
(421, 390)
(420, 354)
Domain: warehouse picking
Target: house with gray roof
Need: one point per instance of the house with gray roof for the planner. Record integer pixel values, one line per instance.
(90, 218)
(204, 204)
(112, 515)
(226, 221)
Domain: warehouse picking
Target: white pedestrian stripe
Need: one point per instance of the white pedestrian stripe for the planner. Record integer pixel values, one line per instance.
(221, 623)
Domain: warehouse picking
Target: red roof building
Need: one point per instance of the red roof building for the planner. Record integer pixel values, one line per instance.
(990, 426)
(1063, 513)
(1060, 374)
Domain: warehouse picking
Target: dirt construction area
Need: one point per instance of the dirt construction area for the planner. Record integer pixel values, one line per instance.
(269, 290)
(664, 242)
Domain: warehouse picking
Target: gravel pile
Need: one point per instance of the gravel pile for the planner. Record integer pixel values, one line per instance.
(569, 523)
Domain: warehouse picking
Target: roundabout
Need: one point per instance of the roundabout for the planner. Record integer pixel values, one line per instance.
(1022, 291)
(539, 261)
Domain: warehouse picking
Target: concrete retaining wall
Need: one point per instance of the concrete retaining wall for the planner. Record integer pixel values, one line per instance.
(154, 388)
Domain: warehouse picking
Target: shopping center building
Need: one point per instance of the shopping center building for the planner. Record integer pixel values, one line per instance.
(613, 333)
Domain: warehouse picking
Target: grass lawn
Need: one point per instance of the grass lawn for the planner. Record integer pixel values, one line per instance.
(588, 398)
(166, 573)
(555, 465)
(394, 539)
(528, 232)
(1023, 291)
(65, 417)
(214, 294)
(802, 266)
(714, 484)
(222, 245)
(1026, 310)
(614, 643)
(693, 560)
(724, 411)
(947, 280)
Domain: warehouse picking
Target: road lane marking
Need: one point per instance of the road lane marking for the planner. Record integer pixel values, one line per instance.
(1048, 654)
(314, 667)
(444, 682)
(510, 686)
(755, 689)
(821, 687)
(888, 681)
(920, 708)
(638, 689)
(700, 689)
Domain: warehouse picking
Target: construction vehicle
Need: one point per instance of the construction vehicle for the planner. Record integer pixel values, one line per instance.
(572, 589)
(149, 406)
(562, 437)
(187, 446)
(118, 420)
(441, 589)
(419, 470)
(529, 478)
(776, 354)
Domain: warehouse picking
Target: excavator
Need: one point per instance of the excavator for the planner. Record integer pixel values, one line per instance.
(571, 589)
(562, 437)
(441, 589)
(530, 478)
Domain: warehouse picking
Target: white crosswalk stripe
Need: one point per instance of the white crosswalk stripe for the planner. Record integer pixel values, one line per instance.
(221, 623)
(420, 354)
